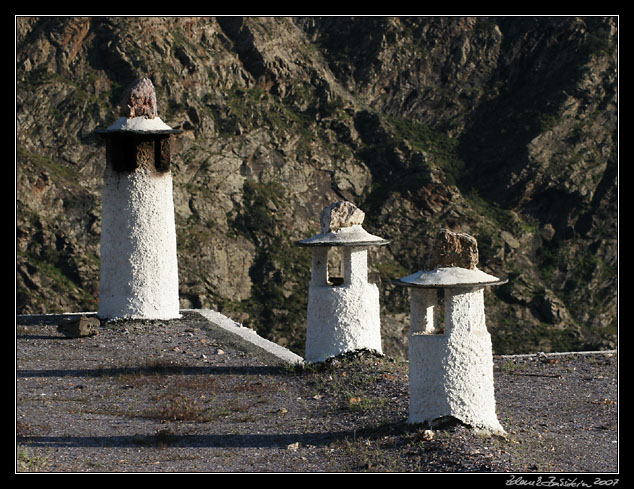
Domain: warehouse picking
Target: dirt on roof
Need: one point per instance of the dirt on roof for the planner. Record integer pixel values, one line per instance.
(179, 396)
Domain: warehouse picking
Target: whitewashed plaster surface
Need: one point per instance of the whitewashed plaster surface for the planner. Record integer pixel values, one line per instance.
(449, 276)
(139, 271)
(342, 318)
(451, 372)
(139, 124)
(344, 236)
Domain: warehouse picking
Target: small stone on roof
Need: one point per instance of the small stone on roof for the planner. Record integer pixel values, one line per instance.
(79, 327)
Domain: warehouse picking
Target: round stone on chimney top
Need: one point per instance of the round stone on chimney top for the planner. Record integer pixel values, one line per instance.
(139, 99)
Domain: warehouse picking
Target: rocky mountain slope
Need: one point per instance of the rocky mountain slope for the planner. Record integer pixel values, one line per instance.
(503, 128)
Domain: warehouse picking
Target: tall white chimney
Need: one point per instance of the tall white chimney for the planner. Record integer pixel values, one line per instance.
(139, 270)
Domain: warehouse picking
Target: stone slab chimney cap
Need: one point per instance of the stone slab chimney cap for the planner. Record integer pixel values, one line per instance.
(449, 277)
(341, 226)
(452, 263)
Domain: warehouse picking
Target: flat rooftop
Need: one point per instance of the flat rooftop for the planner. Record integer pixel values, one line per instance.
(203, 394)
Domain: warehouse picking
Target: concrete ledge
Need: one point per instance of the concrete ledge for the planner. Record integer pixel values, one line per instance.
(249, 336)
(542, 354)
(223, 328)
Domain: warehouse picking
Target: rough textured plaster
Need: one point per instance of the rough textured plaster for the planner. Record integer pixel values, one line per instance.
(451, 374)
(139, 271)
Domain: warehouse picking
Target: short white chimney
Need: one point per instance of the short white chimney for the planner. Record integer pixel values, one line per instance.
(451, 364)
(342, 317)
(139, 272)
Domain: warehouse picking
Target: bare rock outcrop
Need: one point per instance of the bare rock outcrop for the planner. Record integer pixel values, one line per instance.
(504, 127)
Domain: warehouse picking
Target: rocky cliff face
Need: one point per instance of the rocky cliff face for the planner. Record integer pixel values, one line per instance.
(503, 128)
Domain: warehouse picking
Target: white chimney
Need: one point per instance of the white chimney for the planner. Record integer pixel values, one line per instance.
(342, 317)
(451, 364)
(139, 271)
